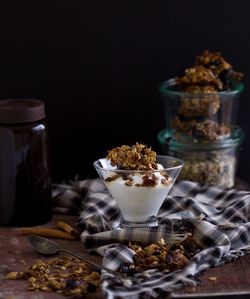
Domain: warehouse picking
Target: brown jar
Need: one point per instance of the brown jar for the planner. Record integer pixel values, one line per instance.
(25, 185)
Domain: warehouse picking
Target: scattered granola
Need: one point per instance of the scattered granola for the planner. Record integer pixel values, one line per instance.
(161, 256)
(212, 278)
(68, 276)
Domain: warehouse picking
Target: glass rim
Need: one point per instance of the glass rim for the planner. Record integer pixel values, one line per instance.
(166, 138)
(180, 161)
(164, 89)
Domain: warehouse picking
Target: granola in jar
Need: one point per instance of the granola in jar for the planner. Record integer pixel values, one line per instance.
(216, 169)
(209, 163)
(207, 130)
(204, 95)
(205, 103)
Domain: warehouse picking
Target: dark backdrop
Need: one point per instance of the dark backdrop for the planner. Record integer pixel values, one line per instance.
(97, 65)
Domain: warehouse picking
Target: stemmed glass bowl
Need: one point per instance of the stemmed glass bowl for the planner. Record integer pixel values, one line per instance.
(139, 194)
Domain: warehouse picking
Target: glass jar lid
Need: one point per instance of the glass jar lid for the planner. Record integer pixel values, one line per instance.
(14, 111)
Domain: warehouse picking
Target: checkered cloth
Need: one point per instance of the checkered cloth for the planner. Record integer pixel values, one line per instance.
(220, 219)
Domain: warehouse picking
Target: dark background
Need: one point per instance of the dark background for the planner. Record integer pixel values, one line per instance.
(97, 66)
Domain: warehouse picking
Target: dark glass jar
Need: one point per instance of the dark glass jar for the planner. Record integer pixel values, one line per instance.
(25, 185)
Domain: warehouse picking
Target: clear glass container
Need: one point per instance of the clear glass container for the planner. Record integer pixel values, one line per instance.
(211, 163)
(199, 116)
(139, 194)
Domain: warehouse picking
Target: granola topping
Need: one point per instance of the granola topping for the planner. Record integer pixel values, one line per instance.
(199, 75)
(210, 69)
(220, 67)
(135, 157)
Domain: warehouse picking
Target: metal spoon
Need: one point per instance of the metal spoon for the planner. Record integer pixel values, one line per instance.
(47, 247)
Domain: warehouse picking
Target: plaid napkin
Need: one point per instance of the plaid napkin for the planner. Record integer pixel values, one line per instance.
(219, 218)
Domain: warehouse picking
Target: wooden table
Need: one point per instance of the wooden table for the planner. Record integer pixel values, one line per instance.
(231, 280)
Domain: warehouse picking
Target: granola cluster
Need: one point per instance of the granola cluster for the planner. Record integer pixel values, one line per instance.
(201, 85)
(135, 157)
(210, 69)
(68, 276)
(199, 75)
(161, 256)
(220, 67)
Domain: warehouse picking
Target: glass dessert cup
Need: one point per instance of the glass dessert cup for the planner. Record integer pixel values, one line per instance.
(139, 194)
(198, 117)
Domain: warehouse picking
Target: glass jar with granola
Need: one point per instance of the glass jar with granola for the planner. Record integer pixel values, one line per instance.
(201, 103)
(211, 163)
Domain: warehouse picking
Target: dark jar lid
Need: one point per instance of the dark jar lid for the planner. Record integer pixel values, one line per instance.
(14, 111)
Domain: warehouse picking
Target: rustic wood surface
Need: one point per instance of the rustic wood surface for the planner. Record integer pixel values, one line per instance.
(231, 279)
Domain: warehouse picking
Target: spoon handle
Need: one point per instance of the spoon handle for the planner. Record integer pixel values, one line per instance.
(117, 274)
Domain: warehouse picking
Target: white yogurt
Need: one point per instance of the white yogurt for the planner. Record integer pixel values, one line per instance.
(138, 203)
